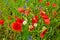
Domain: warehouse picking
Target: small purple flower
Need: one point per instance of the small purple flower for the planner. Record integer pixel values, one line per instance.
(29, 37)
(6, 2)
(26, 0)
(24, 6)
(23, 14)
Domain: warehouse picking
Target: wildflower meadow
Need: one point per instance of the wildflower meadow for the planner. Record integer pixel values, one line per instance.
(29, 19)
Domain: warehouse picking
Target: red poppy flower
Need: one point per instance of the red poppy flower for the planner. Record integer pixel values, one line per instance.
(16, 27)
(31, 27)
(47, 21)
(26, 12)
(43, 15)
(20, 9)
(54, 5)
(47, 3)
(19, 21)
(34, 19)
(40, 1)
(15, 17)
(42, 34)
(8, 25)
(1, 22)
(9, 18)
(54, 13)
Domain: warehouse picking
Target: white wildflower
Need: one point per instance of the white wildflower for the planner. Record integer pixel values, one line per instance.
(44, 28)
(30, 26)
(35, 24)
(25, 22)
